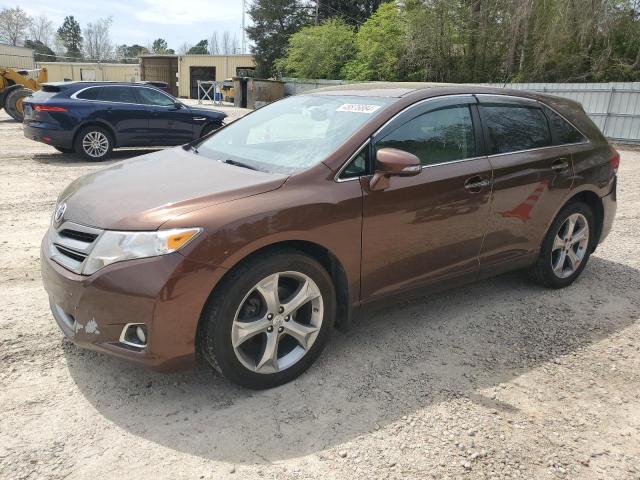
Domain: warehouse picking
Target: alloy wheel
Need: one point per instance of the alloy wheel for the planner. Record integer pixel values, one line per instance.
(277, 322)
(95, 144)
(570, 245)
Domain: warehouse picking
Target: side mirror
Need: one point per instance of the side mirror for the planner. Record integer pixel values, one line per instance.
(177, 105)
(393, 162)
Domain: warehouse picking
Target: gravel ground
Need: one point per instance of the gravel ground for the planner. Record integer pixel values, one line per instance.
(500, 379)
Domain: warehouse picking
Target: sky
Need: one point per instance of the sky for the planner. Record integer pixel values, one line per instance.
(142, 21)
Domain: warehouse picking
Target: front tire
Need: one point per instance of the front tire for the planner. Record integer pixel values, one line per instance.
(269, 320)
(566, 247)
(94, 143)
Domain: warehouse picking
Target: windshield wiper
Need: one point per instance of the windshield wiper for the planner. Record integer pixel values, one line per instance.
(238, 164)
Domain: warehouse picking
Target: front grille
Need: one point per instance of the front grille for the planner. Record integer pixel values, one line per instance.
(70, 253)
(80, 236)
(71, 243)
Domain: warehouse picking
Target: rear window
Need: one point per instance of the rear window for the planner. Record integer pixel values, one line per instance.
(88, 94)
(563, 132)
(514, 128)
(116, 94)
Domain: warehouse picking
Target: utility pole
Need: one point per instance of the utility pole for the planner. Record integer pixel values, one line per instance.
(244, 38)
(317, 5)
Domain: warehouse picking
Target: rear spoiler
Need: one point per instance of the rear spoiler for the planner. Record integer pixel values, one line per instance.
(54, 87)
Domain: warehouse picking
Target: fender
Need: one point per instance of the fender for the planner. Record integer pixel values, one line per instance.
(573, 193)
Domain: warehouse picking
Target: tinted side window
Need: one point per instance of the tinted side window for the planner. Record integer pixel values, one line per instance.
(89, 94)
(149, 96)
(435, 137)
(514, 128)
(116, 94)
(563, 131)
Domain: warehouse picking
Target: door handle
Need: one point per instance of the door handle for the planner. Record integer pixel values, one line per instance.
(476, 184)
(560, 164)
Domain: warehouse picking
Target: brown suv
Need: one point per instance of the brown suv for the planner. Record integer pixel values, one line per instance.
(247, 247)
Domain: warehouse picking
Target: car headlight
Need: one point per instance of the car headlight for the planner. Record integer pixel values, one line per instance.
(114, 246)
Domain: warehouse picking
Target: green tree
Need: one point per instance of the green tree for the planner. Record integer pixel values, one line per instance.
(200, 48)
(274, 21)
(380, 46)
(71, 36)
(42, 53)
(354, 12)
(160, 46)
(320, 52)
(130, 53)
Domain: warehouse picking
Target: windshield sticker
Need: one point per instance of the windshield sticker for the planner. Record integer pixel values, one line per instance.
(357, 107)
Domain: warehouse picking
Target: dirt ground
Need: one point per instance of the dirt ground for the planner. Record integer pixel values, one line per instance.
(499, 379)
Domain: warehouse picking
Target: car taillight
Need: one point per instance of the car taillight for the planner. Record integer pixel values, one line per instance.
(614, 161)
(48, 108)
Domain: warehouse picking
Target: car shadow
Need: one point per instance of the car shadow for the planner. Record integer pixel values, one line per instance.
(71, 159)
(390, 364)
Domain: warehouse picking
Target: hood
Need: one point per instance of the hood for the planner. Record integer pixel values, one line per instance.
(145, 192)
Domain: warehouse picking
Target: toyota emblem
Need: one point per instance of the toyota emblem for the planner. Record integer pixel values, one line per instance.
(59, 213)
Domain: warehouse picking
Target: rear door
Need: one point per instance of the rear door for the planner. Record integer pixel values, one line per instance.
(531, 178)
(429, 227)
(118, 106)
(168, 124)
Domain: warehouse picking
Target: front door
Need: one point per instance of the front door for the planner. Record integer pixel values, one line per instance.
(170, 122)
(532, 176)
(428, 227)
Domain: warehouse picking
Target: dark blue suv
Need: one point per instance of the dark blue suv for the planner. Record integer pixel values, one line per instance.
(91, 118)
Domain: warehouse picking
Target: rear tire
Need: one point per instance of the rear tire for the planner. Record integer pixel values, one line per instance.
(13, 103)
(94, 143)
(566, 247)
(244, 319)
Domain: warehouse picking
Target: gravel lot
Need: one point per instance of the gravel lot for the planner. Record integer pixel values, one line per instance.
(500, 379)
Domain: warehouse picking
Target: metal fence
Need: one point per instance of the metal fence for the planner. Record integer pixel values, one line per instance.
(614, 107)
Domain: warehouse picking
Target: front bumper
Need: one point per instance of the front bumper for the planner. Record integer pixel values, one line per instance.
(40, 132)
(166, 293)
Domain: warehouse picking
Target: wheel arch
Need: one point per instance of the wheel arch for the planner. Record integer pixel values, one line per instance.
(321, 254)
(96, 123)
(593, 200)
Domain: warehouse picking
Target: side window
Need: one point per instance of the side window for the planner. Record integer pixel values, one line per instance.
(514, 128)
(435, 137)
(357, 166)
(149, 96)
(563, 131)
(89, 94)
(116, 94)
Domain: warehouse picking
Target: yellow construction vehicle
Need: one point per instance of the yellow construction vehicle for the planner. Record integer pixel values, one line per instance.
(15, 86)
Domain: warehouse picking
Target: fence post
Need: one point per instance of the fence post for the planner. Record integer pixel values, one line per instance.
(608, 112)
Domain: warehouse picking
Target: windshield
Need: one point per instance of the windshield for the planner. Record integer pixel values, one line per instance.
(292, 134)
